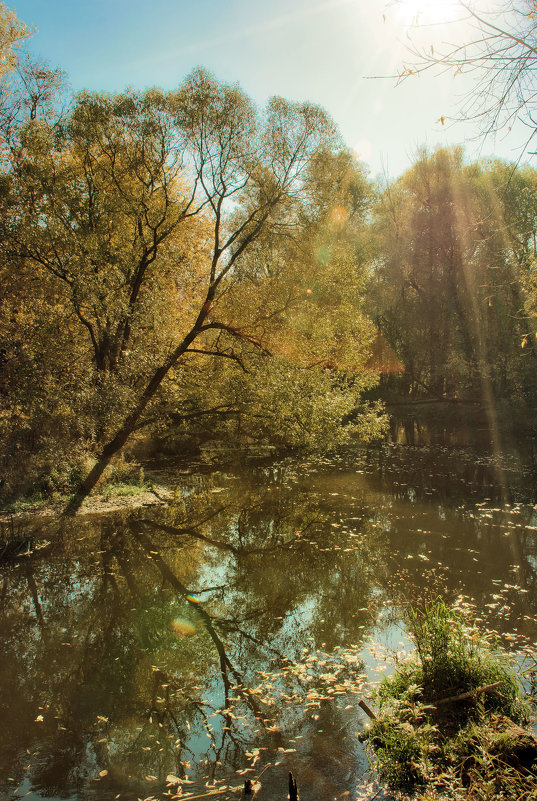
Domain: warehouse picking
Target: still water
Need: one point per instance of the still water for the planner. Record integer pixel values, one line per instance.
(180, 650)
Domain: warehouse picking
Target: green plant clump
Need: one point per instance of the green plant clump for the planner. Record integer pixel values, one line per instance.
(428, 738)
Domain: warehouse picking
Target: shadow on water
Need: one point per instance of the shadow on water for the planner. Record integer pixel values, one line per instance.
(194, 645)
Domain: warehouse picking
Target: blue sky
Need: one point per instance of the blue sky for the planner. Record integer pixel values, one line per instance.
(317, 50)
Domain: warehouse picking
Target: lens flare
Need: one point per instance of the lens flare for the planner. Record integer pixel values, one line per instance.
(338, 216)
(183, 627)
(323, 255)
(193, 599)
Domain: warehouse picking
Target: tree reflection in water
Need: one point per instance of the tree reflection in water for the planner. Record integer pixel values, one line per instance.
(226, 632)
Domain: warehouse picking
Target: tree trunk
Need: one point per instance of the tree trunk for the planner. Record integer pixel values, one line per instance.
(133, 418)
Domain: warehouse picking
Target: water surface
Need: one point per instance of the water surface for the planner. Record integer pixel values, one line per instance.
(185, 649)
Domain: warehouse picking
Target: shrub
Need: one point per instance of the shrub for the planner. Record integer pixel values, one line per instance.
(453, 657)
(425, 737)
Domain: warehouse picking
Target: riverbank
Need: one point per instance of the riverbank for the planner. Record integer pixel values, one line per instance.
(114, 498)
(149, 480)
(454, 718)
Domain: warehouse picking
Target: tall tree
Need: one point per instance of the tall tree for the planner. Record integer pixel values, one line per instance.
(154, 223)
(458, 247)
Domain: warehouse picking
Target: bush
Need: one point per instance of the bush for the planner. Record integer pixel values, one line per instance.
(454, 658)
(425, 737)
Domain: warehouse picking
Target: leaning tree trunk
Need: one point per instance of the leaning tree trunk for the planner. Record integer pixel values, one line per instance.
(131, 421)
(115, 444)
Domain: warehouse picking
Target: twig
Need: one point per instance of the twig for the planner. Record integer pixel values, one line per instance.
(267, 766)
(213, 792)
(372, 798)
(368, 711)
(465, 696)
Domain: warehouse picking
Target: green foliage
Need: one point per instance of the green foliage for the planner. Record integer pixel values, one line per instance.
(158, 244)
(452, 284)
(418, 741)
(296, 407)
(403, 738)
(454, 658)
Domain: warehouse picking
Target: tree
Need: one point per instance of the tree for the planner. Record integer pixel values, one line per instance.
(501, 54)
(160, 227)
(451, 290)
(12, 33)
(308, 309)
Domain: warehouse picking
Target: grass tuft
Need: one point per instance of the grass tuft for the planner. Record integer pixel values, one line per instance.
(474, 747)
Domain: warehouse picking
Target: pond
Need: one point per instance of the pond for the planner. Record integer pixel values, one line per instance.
(180, 650)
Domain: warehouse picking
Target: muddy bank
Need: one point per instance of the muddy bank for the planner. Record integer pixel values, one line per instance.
(95, 504)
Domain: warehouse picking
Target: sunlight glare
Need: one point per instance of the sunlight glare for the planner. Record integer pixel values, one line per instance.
(426, 12)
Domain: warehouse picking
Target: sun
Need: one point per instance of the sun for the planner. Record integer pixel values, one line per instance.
(426, 12)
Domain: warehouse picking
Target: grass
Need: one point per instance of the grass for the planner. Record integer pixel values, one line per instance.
(124, 490)
(24, 504)
(471, 748)
(122, 479)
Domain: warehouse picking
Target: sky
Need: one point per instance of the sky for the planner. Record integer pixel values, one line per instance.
(323, 51)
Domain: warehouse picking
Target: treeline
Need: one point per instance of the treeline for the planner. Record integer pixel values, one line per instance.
(453, 290)
(186, 266)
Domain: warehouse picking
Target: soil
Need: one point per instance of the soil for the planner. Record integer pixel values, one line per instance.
(97, 504)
